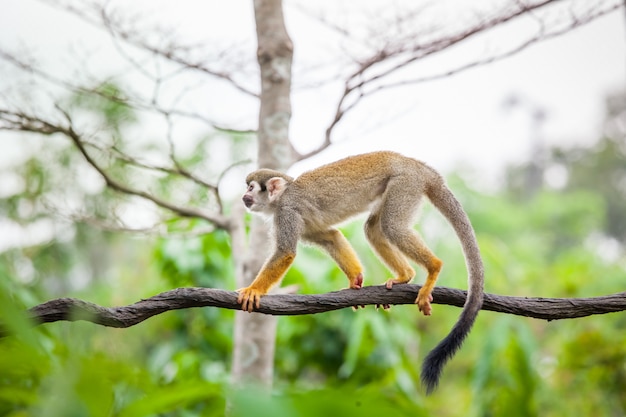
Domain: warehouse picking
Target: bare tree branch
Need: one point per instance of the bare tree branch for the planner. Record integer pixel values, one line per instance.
(177, 170)
(71, 309)
(541, 36)
(370, 74)
(129, 99)
(494, 58)
(97, 15)
(19, 121)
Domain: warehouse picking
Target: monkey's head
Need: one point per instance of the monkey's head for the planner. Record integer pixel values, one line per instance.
(265, 186)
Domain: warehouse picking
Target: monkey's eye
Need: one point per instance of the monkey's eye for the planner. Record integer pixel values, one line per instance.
(250, 187)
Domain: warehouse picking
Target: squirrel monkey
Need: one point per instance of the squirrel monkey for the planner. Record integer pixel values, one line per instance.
(390, 187)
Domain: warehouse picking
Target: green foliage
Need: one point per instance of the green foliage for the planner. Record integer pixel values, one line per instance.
(549, 242)
(344, 401)
(347, 362)
(364, 362)
(202, 261)
(598, 171)
(509, 345)
(108, 102)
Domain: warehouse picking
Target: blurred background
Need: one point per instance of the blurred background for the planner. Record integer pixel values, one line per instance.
(521, 105)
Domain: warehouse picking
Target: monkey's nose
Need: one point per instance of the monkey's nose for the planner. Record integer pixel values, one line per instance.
(248, 200)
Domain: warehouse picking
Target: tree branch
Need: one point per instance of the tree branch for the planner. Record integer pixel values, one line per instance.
(135, 100)
(19, 121)
(373, 73)
(540, 37)
(98, 16)
(71, 309)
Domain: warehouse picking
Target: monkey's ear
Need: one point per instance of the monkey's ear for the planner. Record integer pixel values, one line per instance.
(275, 187)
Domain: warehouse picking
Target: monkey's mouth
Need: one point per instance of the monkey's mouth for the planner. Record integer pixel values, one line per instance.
(248, 201)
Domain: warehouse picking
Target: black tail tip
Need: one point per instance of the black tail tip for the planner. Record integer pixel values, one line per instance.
(430, 379)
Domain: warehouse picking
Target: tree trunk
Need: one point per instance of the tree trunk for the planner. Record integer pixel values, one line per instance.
(255, 334)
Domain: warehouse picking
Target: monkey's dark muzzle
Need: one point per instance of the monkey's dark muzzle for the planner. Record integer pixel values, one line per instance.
(248, 200)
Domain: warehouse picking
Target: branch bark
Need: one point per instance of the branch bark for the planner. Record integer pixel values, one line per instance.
(71, 309)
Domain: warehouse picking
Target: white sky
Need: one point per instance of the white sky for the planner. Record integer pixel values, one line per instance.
(455, 119)
(460, 118)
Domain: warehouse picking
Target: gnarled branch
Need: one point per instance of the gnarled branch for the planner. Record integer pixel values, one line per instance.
(374, 73)
(23, 122)
(71, 309)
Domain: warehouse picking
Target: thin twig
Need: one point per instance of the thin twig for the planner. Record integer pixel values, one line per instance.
(102, 18)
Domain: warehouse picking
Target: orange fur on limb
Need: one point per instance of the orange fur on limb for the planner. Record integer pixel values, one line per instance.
(273, 270)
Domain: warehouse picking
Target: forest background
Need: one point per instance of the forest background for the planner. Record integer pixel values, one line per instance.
(549, 214)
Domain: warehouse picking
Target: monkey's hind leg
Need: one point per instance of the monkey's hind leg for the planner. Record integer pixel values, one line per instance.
(433, 266)
(413, 246)
(338, 247)
(396, 219)
(389, 253)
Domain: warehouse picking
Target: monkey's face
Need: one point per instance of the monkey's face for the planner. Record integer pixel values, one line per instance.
(263, 196)
(256, 197)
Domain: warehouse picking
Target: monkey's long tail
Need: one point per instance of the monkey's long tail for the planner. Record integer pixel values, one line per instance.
(443, 199)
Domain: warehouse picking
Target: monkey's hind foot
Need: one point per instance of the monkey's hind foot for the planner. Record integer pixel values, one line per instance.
(357, 282)
(423, 302)
(390, 282)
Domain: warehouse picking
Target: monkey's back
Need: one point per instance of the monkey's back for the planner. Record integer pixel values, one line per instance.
(351, 186)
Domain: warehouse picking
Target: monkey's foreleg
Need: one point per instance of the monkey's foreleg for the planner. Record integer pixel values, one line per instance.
(273, 270)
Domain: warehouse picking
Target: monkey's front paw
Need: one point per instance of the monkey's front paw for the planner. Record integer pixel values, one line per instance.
(249, 298)
(423, 302)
